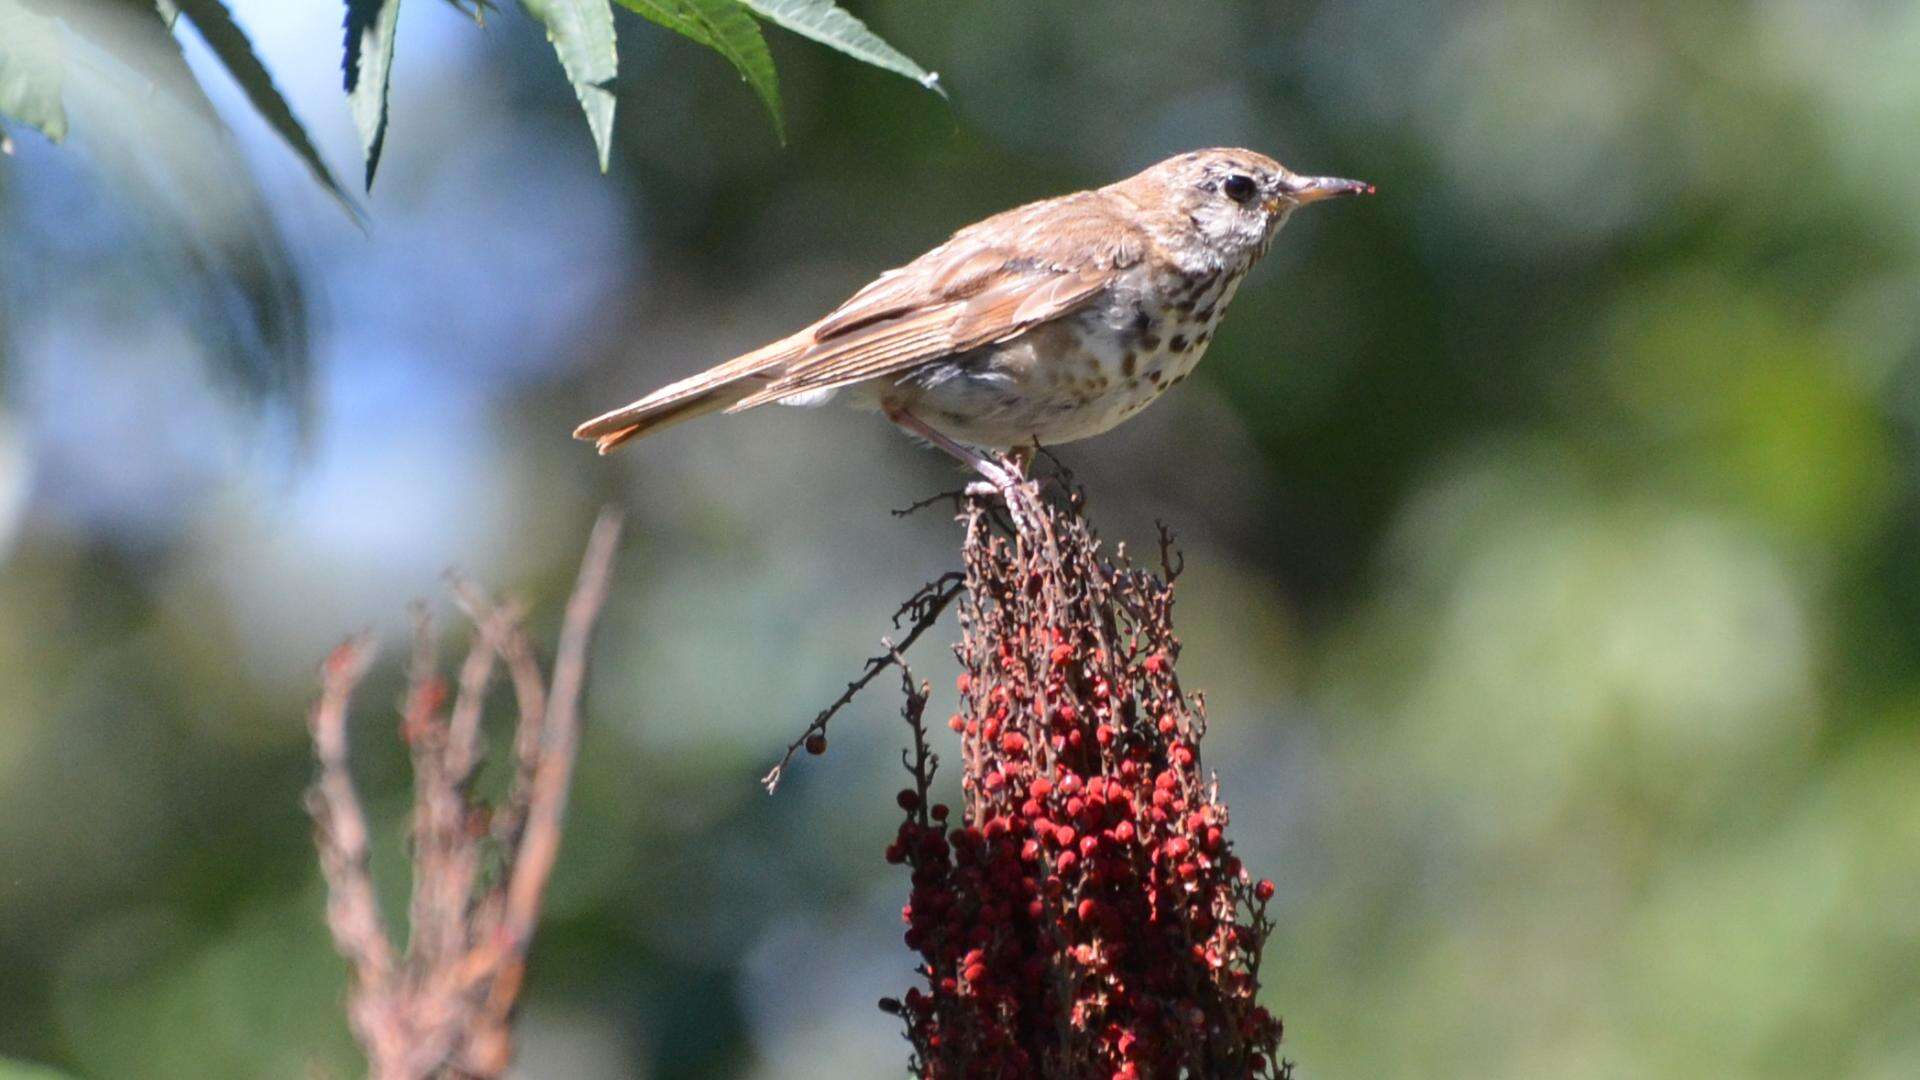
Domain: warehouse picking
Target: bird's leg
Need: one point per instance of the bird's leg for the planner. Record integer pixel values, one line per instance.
(1023, 457)
(1004, 476)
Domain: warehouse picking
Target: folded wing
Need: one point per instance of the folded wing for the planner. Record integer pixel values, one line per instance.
(991, 282)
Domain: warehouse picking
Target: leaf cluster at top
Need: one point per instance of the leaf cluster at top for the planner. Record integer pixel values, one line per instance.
(39, 40)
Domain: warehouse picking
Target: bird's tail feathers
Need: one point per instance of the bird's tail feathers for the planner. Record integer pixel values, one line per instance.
(646, 416)
(710, 391)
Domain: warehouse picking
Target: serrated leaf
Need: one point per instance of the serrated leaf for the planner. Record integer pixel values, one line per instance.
(737, 37)
(370, 31)
(230, 44)
(833, 26)
(32, 66)
(582, 34)
(670, 14)
(725, 27)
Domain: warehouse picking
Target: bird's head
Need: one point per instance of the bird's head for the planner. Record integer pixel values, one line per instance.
(1223, 206)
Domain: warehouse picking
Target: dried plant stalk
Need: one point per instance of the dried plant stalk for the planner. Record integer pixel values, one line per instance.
(1085, 916)
(445, 1007)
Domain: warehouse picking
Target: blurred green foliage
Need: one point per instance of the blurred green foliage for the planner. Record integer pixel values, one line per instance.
(45, 42)
(1552, 523)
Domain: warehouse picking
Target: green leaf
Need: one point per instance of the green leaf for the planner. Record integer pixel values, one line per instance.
(829, 24)
(672, 15)
(32, 66)
(230, 44)
(370, 30)
(582, 33)
(725, 27)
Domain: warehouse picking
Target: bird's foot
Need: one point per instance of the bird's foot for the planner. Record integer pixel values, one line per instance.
(1007, 478)
(1004, 476)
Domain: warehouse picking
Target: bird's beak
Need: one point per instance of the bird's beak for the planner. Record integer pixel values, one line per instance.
(1310, 189)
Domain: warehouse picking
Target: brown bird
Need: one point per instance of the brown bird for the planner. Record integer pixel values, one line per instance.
(1048, 323)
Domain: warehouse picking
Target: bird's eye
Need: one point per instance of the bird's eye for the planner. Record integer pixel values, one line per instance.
(1239, 187)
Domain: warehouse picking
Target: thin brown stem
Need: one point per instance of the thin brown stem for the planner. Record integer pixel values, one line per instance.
(923, 610)
(445, 1008)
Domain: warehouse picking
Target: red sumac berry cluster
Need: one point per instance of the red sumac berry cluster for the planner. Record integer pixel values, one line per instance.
(1086, 915)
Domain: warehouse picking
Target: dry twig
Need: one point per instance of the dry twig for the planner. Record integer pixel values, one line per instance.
(922, 610)
(444, 1009)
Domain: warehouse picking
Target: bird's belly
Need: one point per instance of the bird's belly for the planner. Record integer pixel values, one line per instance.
(1089, 394)
(1070, 380)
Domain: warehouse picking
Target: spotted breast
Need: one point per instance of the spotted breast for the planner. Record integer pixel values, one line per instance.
(1075, 377)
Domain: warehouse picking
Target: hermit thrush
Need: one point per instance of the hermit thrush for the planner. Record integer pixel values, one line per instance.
(1050, 322)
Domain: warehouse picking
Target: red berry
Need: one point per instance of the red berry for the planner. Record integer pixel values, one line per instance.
(1263, 891)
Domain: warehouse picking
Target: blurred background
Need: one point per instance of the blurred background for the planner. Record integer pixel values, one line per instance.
(1552, 524)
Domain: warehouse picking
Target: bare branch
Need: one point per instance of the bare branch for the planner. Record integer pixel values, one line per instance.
(340, 826)
(560, 739)
(445, 1008)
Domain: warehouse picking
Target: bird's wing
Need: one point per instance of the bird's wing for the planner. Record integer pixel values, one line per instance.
(989, 283)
